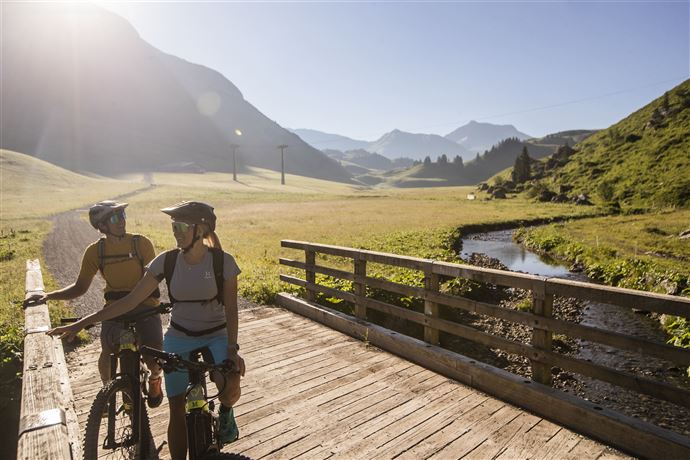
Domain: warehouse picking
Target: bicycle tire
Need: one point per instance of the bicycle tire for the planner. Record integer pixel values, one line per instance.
(95, 436)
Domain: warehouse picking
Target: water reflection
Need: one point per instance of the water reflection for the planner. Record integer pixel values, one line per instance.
(500, 245)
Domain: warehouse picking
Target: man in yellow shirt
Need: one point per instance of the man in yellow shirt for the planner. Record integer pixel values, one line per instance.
(120, 257)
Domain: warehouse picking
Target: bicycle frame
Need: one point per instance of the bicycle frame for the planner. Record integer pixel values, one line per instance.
(202, 421)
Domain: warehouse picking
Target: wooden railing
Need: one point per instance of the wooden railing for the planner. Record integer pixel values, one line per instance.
(540, 319)
(48, 427)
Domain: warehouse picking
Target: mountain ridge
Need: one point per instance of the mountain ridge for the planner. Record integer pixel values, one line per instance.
(70, 97)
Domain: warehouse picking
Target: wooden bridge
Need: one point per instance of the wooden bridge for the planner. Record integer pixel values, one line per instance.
(369, 392)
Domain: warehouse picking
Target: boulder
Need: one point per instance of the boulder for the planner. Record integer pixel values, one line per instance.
(582, 199)
(499, 192)
(685, 234)
(546, 195)
(560, 198)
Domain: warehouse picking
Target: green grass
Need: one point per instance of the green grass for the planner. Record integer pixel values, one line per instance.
(647, 166)
(19, 241)
(639, 252)
(254, 218)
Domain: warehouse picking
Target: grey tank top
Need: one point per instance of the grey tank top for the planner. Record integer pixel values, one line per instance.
(195, 282)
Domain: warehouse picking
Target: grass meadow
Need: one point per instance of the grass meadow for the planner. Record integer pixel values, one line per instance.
(256, 214)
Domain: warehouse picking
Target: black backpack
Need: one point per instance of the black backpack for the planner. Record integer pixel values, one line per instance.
(169, 269)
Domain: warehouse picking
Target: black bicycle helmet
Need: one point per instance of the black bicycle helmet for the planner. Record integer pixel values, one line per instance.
(192, 212)
(100, 211)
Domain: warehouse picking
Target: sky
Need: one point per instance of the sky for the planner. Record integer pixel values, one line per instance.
(361, 69)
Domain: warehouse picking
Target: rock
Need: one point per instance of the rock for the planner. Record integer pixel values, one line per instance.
(546, 195)
(483, 186)
(499, 192)
(583, 200)
(560, 198)
(684, 234)
(670, 287)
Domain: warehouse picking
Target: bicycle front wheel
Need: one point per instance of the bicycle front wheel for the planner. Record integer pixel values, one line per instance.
(111, 436)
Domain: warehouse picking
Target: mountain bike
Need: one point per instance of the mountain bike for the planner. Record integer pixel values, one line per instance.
(203, 441)
(118, 423)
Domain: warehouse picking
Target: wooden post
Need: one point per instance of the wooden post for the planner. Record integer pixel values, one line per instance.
(431, 283)
(310, 274)
(360, 287)
(48, 426)
(542, 305)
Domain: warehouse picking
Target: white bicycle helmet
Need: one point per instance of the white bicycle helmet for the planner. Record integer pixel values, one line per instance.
(100, 211)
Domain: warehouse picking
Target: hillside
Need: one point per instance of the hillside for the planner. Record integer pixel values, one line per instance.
(367, 160)
(82, 90)
(641, 161)
(31, 187)
(478, 137)
(322, 140)
(481, 168)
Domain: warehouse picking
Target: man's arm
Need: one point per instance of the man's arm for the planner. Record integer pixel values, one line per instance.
(78, 288)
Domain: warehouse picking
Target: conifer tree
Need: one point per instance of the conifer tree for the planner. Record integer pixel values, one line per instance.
(522, 169)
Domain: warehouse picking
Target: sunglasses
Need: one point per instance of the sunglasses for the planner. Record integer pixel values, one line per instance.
(180, 227)
(117, 217)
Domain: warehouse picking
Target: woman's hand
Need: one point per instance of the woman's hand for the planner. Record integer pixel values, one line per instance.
(35, 299)
(68, 332)
(236, 360)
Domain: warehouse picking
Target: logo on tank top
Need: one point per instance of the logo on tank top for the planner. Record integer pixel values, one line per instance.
(208, 275)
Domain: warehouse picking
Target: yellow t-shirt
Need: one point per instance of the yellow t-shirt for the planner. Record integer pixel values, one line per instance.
(121, 273)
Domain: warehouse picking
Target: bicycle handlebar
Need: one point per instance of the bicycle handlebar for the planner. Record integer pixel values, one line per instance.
(173, 361)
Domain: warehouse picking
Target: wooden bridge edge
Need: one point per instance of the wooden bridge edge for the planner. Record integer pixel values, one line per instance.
(612, 428)
(48, 421)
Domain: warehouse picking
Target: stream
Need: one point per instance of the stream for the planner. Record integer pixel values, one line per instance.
(500, 245)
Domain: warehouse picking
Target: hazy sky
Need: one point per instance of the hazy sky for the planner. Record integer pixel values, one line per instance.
(361, 69)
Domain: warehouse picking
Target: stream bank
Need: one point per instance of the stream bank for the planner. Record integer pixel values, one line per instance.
(496, 249)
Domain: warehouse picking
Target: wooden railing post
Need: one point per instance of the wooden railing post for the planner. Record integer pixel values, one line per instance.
(310, 274)
(542, 305)
(431, 283)
(360, 287)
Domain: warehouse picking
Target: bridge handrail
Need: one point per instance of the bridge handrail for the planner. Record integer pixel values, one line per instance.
(540, 320)
(48, 426)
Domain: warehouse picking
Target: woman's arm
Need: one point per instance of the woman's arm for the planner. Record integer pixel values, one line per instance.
(232, 321)
(141, 292)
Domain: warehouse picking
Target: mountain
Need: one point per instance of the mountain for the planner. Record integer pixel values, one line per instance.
(368, 160)
(641, 161)
(478, 137)
(82, 90)
(483, 166)
(322, 140)
(416, 146)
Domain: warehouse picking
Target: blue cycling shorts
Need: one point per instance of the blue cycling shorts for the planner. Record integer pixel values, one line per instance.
(176, 382)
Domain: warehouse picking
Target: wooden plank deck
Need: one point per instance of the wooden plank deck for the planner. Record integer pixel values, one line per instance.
(314, 393)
